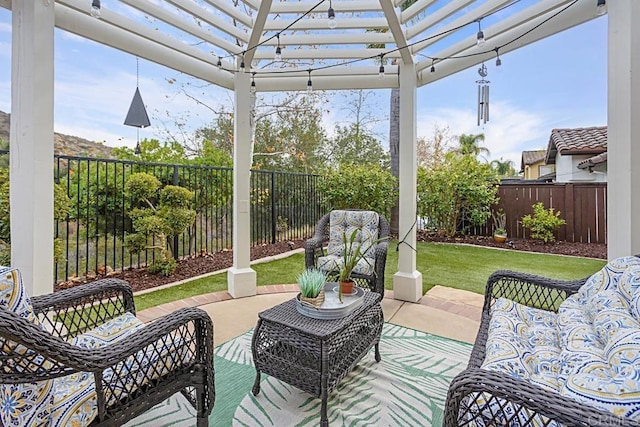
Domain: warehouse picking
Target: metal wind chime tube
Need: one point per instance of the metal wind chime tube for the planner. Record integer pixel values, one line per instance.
(483, 96)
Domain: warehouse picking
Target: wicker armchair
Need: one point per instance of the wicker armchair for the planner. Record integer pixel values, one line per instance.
(375, 280)
(80, 357)
(475, 390)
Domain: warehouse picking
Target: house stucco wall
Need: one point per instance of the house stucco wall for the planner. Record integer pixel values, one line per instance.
(567, 170)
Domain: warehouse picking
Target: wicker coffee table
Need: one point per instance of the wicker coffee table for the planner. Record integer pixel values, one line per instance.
(311, 354)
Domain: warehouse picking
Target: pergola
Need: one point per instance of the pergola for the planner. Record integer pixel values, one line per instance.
(213, 39)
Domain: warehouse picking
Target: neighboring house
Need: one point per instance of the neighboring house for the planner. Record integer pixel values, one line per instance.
(579, 155)
(532, 165)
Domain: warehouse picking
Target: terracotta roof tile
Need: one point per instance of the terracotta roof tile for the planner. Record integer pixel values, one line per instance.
(592, 140)
(593, 161)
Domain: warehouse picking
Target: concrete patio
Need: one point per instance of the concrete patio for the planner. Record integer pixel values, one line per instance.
(447, 312)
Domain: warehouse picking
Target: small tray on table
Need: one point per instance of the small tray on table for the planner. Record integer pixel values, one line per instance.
(332, 308)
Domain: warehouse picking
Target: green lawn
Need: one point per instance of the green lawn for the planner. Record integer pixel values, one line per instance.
(456, 266)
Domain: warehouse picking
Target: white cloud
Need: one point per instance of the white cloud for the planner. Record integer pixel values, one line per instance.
(5, 27)
(510, 130)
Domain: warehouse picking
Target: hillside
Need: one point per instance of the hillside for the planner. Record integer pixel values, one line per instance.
(64, 144)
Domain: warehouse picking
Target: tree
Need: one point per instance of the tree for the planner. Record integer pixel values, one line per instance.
(432, 152)
(470, 144)
(351, 145)
(504, 167)
(161, 212)
(460, 190)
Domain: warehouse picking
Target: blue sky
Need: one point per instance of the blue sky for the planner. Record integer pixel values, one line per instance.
(559, 82)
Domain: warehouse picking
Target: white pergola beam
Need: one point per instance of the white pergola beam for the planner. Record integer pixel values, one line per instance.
(470, 16)
(258, 26)
(580, 12)
(396, 30)
(102, 32)
(407, 282)
(31, 144)
(415, 9)
(326, 54)
(371, 81)
(233, 12)
(354, 70)
(146, 6)
(331, 39)
(436, 17)
(347, 6)
(323, 24)
(623, 195)
(254, 4)
(241, 278)
(203, 14)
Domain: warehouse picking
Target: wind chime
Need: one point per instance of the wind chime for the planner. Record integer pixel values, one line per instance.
(137, 115)
(483, 95)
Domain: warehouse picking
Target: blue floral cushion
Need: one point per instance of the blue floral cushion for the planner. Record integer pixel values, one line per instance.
(341, 223)
(589, 351)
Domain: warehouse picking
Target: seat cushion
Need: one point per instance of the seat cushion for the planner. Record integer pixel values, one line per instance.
(364, 223)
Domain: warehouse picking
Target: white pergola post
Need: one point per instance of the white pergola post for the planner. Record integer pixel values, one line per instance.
(407, 282)
(623, 188)
(241, 277)
(31, 148)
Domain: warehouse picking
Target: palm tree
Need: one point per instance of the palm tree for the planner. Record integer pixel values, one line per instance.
(504, 167)
(470, 144)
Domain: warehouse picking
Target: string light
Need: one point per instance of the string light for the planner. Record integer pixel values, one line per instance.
(309, 84)
(433, 67)
(253, 82)
(242, 67)
(601, 7)
(381, 69)
(219, 63)
(331, 14)
(498, 60)
(278, 56)
(95, 9)
(481, 40)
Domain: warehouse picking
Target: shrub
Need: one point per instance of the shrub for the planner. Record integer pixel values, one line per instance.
(161, 214)
(366, 187)
(459, 189)
(543, 223)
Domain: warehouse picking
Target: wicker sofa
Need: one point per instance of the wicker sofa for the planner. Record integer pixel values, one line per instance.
(80, 356)
(552, 352)
(371, 227)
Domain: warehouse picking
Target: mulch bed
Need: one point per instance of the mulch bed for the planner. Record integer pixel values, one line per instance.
(140, 279)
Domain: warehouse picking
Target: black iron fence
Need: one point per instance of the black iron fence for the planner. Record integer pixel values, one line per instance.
(284, 206)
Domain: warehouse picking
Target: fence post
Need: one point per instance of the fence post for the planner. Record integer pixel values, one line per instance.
(569, 213)
(273, 208)
(175, 238)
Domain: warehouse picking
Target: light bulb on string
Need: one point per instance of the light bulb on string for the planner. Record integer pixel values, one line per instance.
(278, 55)
(242, 66)
(481, 41)
(381, 69)
(498, 60)
(433, 67)
(601, 7)
(331, 14)
(95, 9)
(253, 82)
(219, 64)
(309, 84)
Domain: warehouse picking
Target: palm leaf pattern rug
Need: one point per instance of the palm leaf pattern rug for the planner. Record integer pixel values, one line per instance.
(407, 388)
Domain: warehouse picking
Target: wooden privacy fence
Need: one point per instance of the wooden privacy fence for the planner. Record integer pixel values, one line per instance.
(583, 206)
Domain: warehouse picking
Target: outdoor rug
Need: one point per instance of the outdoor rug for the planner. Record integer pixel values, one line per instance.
(407, 388)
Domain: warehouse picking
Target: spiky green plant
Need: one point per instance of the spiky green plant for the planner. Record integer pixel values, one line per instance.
(311, 282)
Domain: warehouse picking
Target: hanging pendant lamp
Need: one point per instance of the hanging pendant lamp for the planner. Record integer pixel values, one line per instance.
(137, 115)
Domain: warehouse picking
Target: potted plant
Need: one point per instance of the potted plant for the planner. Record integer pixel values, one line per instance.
(311, 284)
(499, 222)
(352, 253)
